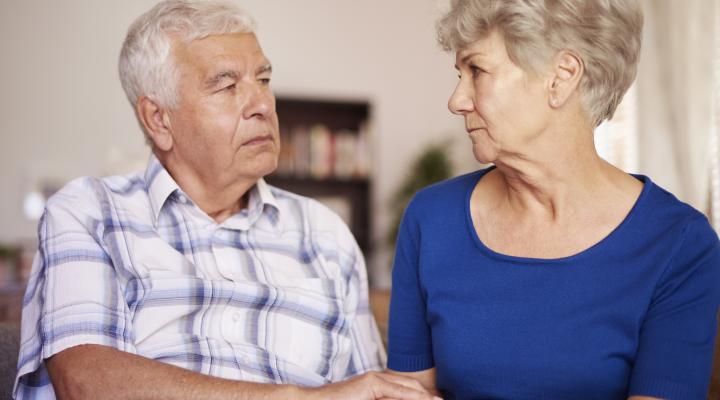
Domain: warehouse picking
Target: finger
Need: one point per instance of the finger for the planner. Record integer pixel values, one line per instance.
(401, 392)
(402, 380)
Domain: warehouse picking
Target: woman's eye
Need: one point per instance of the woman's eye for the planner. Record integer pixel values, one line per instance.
(265, 81)
(229, 87)
(476, 70)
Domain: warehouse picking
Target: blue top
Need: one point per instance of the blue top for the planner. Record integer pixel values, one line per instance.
(632, 315)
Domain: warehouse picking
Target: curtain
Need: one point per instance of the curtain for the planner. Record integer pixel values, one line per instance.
(617, 140)
(715, 128)
(676, 103)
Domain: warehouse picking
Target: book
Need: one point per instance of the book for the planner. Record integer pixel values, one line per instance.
(321, 166)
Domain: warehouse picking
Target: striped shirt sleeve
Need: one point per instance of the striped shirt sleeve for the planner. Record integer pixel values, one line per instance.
(367, 350)
(74, 295)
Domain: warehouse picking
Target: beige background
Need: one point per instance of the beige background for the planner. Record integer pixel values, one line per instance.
(63, 113)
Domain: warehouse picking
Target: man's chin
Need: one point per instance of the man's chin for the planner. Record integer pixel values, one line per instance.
(264, 169)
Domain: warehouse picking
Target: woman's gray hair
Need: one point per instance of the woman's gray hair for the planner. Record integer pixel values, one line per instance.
(605, 34)
(146, 66)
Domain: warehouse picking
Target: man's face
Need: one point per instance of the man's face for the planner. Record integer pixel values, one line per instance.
(224, 127)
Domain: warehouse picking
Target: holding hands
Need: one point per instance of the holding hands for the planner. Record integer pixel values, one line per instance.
(372, 386)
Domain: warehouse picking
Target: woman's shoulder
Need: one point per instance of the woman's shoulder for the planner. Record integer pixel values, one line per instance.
(664, 215)
(449, 190)
(663, 206)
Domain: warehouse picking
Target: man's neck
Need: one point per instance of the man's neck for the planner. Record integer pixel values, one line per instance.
(219, 199)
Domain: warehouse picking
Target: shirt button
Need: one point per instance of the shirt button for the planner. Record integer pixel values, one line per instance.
(236, 317)
(182, 199)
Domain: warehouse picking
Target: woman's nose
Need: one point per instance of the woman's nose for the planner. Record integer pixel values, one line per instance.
(461, 101)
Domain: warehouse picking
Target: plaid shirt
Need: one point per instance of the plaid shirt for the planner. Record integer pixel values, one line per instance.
(277, 293)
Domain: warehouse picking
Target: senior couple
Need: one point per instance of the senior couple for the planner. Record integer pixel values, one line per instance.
(550, 275)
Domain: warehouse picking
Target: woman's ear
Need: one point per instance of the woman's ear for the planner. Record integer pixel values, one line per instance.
(156, 122)
(567, 70)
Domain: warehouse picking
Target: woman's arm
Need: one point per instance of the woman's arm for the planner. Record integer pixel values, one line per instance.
(427, 380)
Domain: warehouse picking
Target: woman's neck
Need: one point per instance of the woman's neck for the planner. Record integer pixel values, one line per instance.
(556, 177)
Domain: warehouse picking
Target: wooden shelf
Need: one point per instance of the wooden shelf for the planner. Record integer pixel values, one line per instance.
(334, 114)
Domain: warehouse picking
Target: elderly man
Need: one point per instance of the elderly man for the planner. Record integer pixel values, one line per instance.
(195, 279)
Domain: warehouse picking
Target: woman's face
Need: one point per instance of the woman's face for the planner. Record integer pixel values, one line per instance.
(506, 110)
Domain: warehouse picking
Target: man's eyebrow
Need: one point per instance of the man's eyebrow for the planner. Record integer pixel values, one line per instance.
(265, 68)
(215, 79)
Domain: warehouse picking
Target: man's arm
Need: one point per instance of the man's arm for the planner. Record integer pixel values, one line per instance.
(93, 371)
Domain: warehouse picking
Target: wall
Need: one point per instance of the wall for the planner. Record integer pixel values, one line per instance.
(63, 113)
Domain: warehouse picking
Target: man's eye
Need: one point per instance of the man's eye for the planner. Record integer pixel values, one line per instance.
(229, 87)
(265, 81)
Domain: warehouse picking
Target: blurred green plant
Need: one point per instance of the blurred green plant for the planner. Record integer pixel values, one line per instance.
(431, 166)
(8, 252)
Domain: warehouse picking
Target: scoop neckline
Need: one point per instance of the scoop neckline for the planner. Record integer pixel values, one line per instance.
(647, 184)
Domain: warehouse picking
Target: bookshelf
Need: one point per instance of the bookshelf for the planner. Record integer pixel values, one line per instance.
(325, 155)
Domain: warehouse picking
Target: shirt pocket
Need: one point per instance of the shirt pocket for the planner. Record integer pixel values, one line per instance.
(304, 324)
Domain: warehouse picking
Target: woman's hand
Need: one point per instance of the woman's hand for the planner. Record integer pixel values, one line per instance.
(372, 386)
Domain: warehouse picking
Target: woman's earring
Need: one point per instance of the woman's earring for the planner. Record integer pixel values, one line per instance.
(554, 102)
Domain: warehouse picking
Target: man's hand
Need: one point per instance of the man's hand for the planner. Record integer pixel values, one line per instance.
(372, 386)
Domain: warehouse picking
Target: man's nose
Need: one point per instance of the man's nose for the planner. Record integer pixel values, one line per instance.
(260, 102)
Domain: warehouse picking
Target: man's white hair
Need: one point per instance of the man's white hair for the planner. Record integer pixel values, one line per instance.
(146, 65)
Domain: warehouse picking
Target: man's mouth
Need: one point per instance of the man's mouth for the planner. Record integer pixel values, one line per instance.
(257, 140)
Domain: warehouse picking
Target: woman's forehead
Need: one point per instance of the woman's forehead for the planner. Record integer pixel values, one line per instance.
(491, 46)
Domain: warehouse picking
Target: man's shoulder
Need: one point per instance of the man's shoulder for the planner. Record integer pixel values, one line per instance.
(89, 195)
(302, 211)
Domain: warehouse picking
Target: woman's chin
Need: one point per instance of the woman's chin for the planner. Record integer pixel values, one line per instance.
(484, 157)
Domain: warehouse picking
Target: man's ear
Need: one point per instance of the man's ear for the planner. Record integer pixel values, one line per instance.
(567, 70)
(156, 122)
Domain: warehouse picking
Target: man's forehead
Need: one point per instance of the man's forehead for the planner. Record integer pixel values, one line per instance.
(232, 44)
(221, 51)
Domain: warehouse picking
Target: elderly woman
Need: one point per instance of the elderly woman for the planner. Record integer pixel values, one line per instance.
(552, 274)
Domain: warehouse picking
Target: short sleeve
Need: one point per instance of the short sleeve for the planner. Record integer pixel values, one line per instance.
(73, 296)
(409, 338)
(674, 358)
(368, 352)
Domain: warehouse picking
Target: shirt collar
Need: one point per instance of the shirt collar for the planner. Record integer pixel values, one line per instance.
(261, 202)
(265, 194)
(160, 186)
